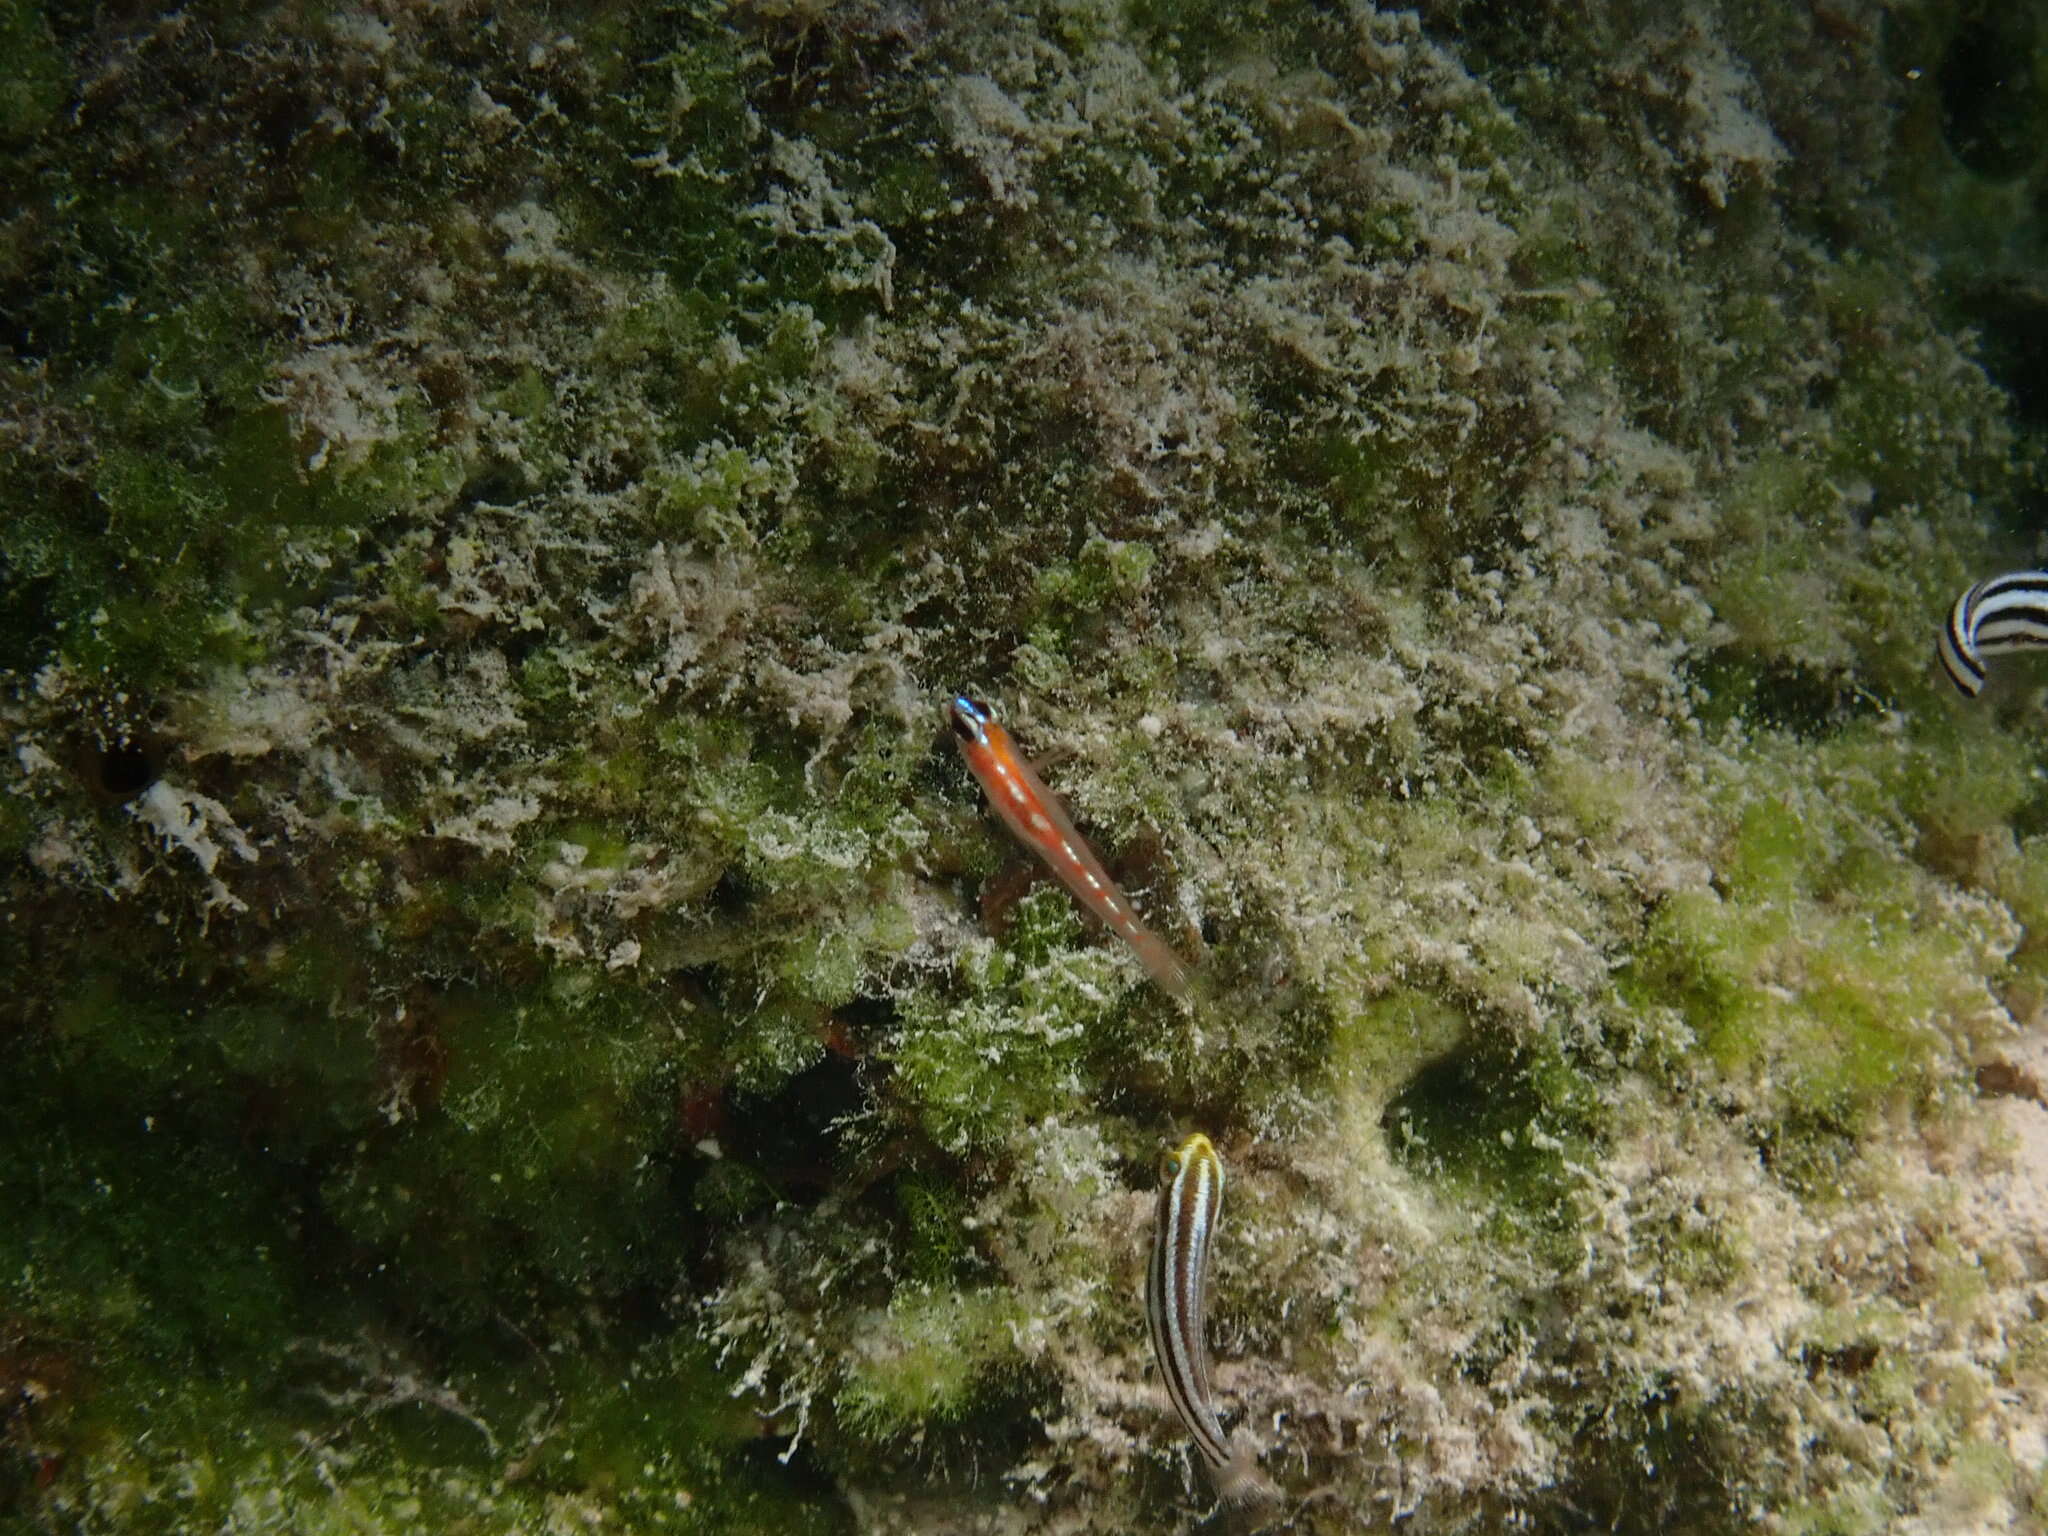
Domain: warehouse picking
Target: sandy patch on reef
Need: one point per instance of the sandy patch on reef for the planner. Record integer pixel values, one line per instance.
(2016, 1083)
(2022, 1194)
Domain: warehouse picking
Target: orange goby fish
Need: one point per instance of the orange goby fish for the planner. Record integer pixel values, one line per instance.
(1041, 824)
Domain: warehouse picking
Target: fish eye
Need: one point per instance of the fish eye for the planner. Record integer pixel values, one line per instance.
(968, 715)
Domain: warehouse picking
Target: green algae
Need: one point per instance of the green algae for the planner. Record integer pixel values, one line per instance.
(926, 1361)
(1015, 1050)
(36, 78)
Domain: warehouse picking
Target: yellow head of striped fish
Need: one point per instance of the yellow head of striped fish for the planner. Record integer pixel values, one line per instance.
(1196, 1149)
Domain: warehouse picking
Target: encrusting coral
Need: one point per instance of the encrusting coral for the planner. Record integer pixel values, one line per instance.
(518, 1019)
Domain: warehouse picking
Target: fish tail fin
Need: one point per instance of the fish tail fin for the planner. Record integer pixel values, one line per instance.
(1161, 963)
(1241, 1485)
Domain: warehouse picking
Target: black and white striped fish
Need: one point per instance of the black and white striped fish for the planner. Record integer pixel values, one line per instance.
(1177, 1307)
(2006, 613)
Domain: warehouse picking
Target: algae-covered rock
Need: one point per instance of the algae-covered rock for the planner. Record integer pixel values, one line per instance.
(518, 1018)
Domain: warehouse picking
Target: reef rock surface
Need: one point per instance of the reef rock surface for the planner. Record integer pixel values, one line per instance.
(517, 1019)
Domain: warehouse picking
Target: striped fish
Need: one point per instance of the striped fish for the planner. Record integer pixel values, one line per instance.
(1041, 824)
(2006, 613)
(1177, 1306)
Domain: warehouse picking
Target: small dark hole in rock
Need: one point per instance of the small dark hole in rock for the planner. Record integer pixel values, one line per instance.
(731, 894)
(788, 1461)
(124, 771)
(792, 1134)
